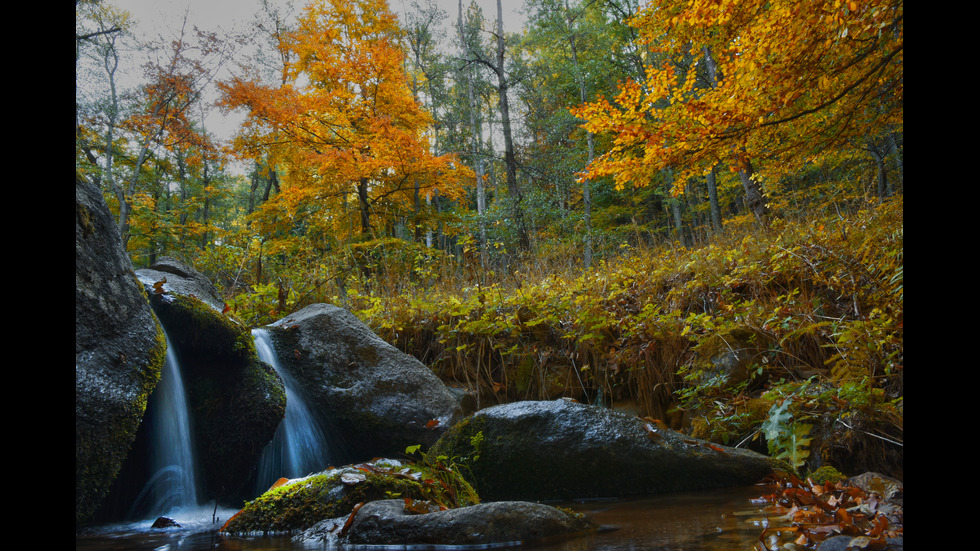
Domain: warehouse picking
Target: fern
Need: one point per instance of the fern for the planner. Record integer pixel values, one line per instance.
(786, 439)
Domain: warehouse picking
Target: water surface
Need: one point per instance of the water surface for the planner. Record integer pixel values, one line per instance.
(720, 520)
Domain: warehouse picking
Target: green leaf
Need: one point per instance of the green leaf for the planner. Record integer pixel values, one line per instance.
(776, 426)
(794, 446)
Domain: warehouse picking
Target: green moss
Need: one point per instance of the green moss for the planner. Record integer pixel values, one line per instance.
(827, 474)
(300, 504)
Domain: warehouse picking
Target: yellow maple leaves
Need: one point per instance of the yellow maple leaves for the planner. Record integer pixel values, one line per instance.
(791, 76)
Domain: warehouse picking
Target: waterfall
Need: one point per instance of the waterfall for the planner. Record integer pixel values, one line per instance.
(299, 446)
(173, 482)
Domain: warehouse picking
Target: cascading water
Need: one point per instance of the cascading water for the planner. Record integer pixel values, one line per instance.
(173, 481)
(299, 446)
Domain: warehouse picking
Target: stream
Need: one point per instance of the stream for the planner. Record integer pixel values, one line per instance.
(698, 521)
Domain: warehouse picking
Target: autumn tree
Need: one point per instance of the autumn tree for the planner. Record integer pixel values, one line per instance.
(345, 126)
(165, 120)
(769, 85)
(98, 27)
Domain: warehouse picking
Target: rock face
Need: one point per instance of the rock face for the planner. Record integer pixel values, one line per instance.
(565, 450)
(236, 400)
(378, 399)
(388, 523)
(119, 351)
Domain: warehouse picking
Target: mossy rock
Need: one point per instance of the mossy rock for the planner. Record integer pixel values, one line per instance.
(565, 450)
(236, 400)
(119, 352)
(299, 504)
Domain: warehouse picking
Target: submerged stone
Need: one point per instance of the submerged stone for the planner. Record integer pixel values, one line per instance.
(165, 522)
(390, 522)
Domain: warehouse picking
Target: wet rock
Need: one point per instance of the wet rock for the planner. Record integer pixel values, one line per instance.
(852, 543)
(119, 351)
(165, 522)
(388, 522)
(302, 503)
(236, 400)
(377, 399)
(565, 450)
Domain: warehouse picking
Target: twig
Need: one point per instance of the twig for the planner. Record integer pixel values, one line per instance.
(897, 443)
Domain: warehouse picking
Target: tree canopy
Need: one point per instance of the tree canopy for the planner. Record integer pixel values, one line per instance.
(784, 82)
(344, 126)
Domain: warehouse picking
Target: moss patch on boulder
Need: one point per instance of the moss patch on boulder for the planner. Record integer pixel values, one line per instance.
(301, 503)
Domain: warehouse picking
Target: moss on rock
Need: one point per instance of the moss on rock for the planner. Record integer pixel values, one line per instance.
(301, 503)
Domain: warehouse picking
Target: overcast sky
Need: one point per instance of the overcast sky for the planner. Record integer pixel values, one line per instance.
(164, 18)
(156, 16)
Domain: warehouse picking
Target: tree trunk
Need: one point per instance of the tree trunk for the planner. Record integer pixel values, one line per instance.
(713, 200)
(364, 204)
(510, 160)
(675, 207)
(882, 175)
(898, 157)
(754, 198)
(476, 128)
(271, 183)
(586, 184)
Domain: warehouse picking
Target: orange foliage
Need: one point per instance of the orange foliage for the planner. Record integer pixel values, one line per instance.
(344, 127)
(781, 81)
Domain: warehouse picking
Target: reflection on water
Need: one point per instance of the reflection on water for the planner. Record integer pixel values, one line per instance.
(722, 520)
(716, 521)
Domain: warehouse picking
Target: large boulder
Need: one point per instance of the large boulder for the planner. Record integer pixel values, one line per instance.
(377, 399)
(119, 351)
(565, 450)
(236, 400)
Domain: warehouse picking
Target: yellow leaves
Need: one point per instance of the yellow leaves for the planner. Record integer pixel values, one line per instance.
(792, 77)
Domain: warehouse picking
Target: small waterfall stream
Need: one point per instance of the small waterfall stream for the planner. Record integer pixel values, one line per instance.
(299, 446)
(173, 482)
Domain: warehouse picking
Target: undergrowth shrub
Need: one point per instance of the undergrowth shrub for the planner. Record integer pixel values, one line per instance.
(815, 302)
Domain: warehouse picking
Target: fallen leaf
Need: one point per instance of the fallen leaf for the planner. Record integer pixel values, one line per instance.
(278, 483)
(158, 287)
(718, 449)
(352, 478)
(653, 433)
(350, 519)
